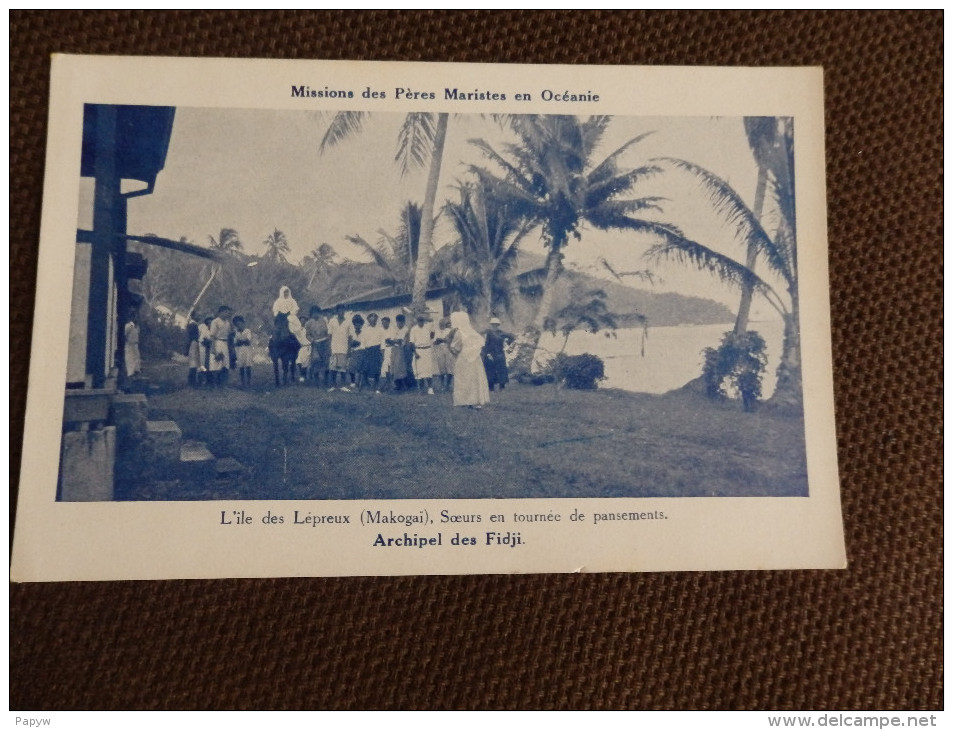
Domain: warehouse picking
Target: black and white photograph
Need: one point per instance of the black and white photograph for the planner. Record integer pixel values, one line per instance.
(375, 302)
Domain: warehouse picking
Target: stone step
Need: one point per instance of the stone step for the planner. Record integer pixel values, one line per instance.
(163, 442)
(138, 384)
(196, 461)
(228, 467)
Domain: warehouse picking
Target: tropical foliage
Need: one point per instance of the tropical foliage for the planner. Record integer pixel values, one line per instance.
(277, 247)
(420, 140)
(318, 262)
(579, 372)
(553, 179)
(586, 311)
(483, 258)
(396, 255)
(767, 255)
(737, 364)
(228, 241)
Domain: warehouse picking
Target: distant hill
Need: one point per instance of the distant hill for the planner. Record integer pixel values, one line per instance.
(663, 309)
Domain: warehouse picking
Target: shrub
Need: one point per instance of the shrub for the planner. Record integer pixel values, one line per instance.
(736, 366)
(579, 372)
(159, 336)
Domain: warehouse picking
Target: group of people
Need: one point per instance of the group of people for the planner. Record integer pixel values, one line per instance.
(350, 353)
(217, 345)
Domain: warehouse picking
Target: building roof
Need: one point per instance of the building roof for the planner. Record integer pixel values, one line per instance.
(141, 139)
(383, 298)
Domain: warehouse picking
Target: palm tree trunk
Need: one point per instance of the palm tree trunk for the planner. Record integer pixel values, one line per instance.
(425, 249)
(526, 350)
(483, 308)
(789, 390)
(747, 288)
(554, 265)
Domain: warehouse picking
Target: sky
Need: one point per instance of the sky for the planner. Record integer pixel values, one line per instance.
(257, 170)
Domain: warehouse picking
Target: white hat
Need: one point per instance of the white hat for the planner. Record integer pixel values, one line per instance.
(495, 320)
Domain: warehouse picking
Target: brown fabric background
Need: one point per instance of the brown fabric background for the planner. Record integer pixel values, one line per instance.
(868, 637)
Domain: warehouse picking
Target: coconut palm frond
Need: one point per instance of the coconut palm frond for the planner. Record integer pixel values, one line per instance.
(415, 141)
(408, 232)
(618, 217)
(619, 182)
(379, 258)
(785, 235)
(619, 212)
(490, 231)
(722, 267)
(523, 201)
(276, 246)
(605, 167)
(727, 203)
(343, 125)
(512, 171)
(394, 250)
(771, 140)
(227, 241)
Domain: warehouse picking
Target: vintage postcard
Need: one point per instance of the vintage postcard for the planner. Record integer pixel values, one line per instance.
(301, 318)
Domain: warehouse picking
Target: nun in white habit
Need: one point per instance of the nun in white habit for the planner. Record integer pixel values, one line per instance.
(286, 304)
(469, 376)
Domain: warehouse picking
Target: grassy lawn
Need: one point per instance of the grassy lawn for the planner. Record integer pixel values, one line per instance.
(301, 442)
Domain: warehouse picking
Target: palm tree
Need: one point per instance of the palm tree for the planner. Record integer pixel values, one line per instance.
(228, 241)
(421, 138)
(318, 261)
(487, 248)
(276, 247)
(551, 179)
(772, 143)
(776, 254)
(397, 255)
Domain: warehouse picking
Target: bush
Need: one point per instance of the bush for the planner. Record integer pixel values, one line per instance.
(159, 336)
(736, 366)
(579, 372)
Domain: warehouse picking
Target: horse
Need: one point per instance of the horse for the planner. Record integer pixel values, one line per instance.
(283, 346)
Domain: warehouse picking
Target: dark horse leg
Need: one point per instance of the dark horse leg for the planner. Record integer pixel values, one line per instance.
(284, 369)
(274, 364)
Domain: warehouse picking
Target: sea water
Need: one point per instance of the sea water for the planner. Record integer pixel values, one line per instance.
(664, 358)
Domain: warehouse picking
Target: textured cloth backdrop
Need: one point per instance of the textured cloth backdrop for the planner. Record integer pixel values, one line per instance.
(867, 637)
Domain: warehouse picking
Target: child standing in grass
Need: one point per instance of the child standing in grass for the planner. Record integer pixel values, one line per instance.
(339, 333)
(205, 350)
(243, 354)
(358, 351)
(443, 360)
(219, 332)
(421, 338)
(303, 360)
(400, 354)
(387, 349)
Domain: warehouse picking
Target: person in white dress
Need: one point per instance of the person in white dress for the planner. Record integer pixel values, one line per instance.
(131, 333)
(470, 386)
(421, 337)
(339, 333)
